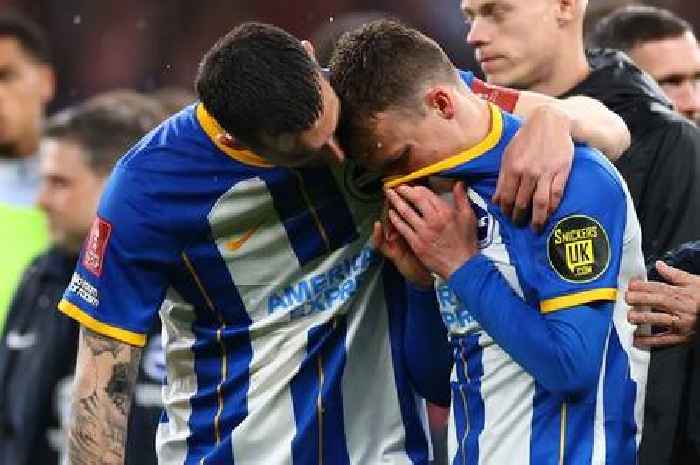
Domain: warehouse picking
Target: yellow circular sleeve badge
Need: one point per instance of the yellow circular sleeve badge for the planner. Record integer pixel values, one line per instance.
(578, 249)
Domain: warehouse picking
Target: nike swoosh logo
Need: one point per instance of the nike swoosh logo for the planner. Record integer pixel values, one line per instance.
(17, 341)
(236, 244)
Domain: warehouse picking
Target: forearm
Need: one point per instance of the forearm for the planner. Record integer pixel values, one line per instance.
(106, 371)
(426, 348)
(561, 351)
(590, 121)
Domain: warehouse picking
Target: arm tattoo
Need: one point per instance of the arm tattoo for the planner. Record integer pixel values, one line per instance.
(118, 388)
(100, 344)
(105, 377)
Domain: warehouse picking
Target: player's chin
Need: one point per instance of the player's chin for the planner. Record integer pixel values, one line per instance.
(507, 76)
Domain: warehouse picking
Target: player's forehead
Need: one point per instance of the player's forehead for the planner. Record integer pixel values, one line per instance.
(676, 55)
(473, 7)
(385, 134)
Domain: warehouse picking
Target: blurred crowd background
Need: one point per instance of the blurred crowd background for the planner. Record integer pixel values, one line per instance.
(148, 44)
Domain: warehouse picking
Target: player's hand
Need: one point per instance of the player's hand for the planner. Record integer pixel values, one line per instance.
(441, 235)
(394, 247)
(676, 306)
(535, 167)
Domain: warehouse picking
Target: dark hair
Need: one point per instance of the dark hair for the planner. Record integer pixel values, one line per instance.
(627, 27)
(258, 78)
(106, 126)
(380, 66)
(27, 33)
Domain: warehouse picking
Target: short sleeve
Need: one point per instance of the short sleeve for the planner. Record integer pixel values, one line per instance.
(122, 275)
(576, 259)
(504, 98)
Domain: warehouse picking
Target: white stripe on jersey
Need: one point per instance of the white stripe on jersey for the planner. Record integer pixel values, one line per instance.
(507, 415)
(631, 267)
(499, 442)
(263, 437)
(171, 438)
(246, 212)
(599, 445)
(366, 421)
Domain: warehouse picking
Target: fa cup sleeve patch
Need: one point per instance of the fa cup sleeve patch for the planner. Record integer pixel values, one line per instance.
(578, 249)
(93, 254)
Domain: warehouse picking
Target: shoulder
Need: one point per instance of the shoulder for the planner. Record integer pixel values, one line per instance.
(592, 173)
(671, 145)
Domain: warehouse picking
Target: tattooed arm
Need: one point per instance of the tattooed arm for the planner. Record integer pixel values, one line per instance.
(104, 382)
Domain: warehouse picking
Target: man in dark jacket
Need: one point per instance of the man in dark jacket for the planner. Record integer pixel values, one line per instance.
(662, 44)
(674, 293)
(39, 344)
(662, 166)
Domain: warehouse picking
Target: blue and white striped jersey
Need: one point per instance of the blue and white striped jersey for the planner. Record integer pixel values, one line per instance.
(545, 371)
(282, 328)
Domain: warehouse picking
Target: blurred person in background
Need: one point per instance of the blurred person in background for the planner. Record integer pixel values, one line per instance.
(660, 43)
(26, 87)
(173, 99)
(39, 345)
(661, 167)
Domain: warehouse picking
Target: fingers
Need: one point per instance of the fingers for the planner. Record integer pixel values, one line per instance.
(540, 203)
(651, 299)
(422, 198)
(673, 275)
(390, 233)
(652, 318)
(522, 200)
(403, 228)
(407, 212)
(660, 340)
(506, 188)
(377, 235)
(556, 193)
(459, 193)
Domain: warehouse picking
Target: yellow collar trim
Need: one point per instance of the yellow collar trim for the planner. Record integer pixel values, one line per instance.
(490, 141)
(212, 129)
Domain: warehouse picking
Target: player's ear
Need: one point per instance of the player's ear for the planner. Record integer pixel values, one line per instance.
(227, 140)
(440, 100)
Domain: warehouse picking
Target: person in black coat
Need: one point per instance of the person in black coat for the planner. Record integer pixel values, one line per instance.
(673, 292)
(39, 344)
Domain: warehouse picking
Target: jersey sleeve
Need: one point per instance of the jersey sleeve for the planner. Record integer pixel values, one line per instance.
(576, 259)
(121, 276)
(506, 99)
(426, 346)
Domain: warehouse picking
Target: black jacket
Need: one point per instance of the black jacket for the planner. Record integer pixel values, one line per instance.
(662, 166)
(662, 170)
(685, 445)
(37, 360)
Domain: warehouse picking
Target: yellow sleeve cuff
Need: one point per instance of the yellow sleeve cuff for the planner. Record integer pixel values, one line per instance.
(122, 335)
(580, 298)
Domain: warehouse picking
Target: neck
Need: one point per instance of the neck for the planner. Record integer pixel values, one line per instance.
(475, 121)
(566, 71)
